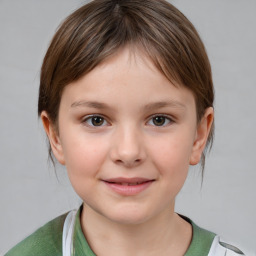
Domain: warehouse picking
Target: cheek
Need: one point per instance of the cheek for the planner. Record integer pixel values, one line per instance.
(171, 157)
(84, 156)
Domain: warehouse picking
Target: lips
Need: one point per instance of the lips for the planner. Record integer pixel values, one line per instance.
(128, 186)
(128, 181)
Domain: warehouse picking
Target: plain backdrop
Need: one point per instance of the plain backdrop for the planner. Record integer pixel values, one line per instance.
(30, 193)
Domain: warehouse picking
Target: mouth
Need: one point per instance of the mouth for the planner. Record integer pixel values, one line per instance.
(128, 186)
(128, 181)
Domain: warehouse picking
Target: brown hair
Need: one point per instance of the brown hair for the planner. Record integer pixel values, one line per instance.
(100, 28)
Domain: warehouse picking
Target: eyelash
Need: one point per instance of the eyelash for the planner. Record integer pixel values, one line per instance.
(166, 118)
(88, 119)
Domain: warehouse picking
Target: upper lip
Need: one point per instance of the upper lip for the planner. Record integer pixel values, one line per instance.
(127, 180)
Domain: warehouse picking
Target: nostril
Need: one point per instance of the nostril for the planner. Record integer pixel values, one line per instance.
(129, 163)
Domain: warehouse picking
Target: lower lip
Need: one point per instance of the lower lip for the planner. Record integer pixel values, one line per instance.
(126, 190)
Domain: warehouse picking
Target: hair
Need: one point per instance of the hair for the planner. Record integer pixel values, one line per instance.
(100, 28)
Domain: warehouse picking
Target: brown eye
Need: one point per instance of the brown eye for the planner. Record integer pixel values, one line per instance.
(95, 121)
(159, 121)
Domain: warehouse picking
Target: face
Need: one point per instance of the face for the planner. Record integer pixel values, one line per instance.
(127, 137)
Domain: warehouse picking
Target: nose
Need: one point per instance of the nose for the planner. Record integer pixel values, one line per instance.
(127, 147)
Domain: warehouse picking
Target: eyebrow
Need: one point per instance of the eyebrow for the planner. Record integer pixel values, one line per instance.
(162, 104)
(148, 107)
(90, 104)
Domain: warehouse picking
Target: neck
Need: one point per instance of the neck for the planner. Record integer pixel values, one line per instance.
(166, 234)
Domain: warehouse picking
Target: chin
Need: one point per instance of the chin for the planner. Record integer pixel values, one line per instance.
(130, 220)
(129, 216)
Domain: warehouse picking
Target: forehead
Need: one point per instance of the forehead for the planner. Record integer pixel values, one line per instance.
(127, 78)
(122, 63)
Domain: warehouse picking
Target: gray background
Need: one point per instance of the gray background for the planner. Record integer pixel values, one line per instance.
(30, 192)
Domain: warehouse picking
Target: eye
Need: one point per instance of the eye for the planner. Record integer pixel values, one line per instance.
(95, 121)
(160, 120)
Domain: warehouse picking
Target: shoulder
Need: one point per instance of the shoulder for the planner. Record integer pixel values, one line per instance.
(47, 240)
(221, 248)
(207, 243)
(201, 240)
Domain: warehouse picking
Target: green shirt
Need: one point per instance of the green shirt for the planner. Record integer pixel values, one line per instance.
(47, 240)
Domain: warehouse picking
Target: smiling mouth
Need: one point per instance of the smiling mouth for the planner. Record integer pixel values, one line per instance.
(128, 187)
(128, 181)
(128, 184)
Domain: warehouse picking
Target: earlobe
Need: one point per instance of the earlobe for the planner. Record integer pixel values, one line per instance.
(53, 137)
(202, 133)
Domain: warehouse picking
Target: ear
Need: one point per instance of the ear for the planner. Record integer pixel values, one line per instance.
(202, 133)
(53, 137)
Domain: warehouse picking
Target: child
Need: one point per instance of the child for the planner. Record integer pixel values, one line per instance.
(126, 99)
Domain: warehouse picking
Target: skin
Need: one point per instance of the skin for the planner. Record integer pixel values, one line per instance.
(127, 92)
